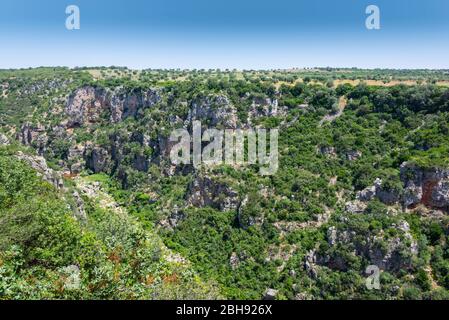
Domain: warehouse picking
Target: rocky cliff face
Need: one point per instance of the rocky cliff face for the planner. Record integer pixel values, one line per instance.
(429, 187)
(98, 159)
(88, 105)
(204, 191)
(214, 110)
(3, 140)
(392, 254)
(426, 186)
(248, 220)
(33, 135)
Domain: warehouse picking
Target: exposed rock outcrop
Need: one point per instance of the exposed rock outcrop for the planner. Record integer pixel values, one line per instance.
(79, 211)
(286, 227)
(214, 110)
(89, 104)
(33, 135)
(384, 195)
(392, 254)
(248, 220)
(328, 151)
(370, 192)
(75, 157)
(265, 107)
(355, 206)
(44, 86)
(175, 217)
(124, 105)
(353, 155)
(40, 165)
(4, 141)
(86, 105)
(204, 192)
(426, 186)
(270, 294)
(429, 187)
(388, 197)
(234, 261)
(98, 159)
(310, 261)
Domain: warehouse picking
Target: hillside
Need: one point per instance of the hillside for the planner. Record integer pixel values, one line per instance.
(87, 188)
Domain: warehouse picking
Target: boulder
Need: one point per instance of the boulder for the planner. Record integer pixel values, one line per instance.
(129, 104)
(367, 194)
(355, 206)
(34, 136)
(270, 294)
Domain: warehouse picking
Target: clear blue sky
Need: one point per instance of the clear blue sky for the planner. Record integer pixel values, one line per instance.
(244, 34)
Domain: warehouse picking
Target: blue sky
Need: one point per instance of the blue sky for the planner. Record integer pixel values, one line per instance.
(243, 34)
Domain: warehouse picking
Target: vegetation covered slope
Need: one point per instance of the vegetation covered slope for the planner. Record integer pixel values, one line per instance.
(46, 253)
(363, 180)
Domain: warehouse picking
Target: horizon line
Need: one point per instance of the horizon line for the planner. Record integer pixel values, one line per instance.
(229, 69)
